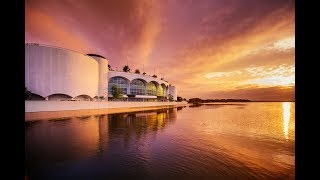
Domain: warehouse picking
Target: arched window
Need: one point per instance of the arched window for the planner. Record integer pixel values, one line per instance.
(120, 82)
(36, 97)
(151, 89)
(137, 87)
(160, 91)
(83, 97)
(59, 97)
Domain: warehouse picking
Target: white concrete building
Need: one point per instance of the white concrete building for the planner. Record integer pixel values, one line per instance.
(54, 73)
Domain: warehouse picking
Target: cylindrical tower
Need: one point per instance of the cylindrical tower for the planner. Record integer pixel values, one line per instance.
(53, 71)
(173, 92)
(103, 74)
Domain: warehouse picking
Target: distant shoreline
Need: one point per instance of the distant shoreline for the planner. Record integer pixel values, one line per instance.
(220, 102)
(273, 101)
(199, 100)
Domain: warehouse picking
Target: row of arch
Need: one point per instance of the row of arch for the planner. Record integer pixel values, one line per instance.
(138, 86)
(134, 87)
(59, 97)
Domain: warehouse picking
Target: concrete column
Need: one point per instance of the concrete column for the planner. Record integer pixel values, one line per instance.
(173, 92)
(103, 75)
(128, 89)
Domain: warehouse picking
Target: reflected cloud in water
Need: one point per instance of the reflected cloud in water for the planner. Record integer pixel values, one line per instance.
(59, 119)
(195, 105)
(83, 117)
(286, 106)
(61, 140)
(180, 108)
(217, 141)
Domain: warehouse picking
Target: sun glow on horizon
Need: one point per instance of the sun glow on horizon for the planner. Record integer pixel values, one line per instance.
(273, 81)
(263, 76)
(282, 75)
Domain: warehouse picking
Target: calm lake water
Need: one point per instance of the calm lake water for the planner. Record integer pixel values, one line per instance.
(228, 141)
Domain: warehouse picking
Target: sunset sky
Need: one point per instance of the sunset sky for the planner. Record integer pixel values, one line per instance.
(206, 48)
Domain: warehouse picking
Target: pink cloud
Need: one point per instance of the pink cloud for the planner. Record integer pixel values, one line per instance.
(182, 39)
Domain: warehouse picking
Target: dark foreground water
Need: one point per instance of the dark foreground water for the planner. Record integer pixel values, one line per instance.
(229, 141)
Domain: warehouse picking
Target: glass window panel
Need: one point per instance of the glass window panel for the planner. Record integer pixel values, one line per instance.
(151, 89)
(120, 82)
(137, 87)
(160, 91)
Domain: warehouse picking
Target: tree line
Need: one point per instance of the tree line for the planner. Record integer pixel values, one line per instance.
(126, 68)
(198, 100)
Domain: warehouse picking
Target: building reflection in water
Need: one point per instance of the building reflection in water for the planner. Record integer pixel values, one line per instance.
(230, 144)
(286, 117)
(136, 127)
(61, 140)
(103, 133)
(180, 108)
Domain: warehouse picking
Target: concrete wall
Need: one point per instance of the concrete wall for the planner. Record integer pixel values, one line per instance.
(39, 106)
(50, 70)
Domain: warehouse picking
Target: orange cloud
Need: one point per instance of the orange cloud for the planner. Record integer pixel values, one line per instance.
(148, 13)
(205, 63)
(45, 29)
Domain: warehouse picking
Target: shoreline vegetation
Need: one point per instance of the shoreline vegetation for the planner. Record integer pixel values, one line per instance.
(199, 101)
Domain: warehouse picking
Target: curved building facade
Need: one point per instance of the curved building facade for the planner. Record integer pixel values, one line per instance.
(54, 71)
(56, 74)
